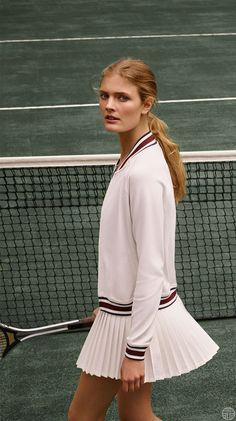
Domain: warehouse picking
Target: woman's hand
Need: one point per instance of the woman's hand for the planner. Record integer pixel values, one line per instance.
(132, 374)
(94, 313)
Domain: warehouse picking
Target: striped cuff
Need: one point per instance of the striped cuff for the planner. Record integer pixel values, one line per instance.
(135, 352)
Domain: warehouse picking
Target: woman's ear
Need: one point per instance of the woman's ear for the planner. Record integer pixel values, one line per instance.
(147, 105)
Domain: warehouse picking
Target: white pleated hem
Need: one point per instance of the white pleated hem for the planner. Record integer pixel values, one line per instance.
(179, 345)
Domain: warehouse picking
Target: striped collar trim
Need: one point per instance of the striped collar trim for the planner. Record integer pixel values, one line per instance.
(145, 141)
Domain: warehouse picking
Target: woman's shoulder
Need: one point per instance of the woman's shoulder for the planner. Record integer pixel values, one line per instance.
(149, 164)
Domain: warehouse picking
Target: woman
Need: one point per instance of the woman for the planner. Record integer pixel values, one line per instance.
(142, 331)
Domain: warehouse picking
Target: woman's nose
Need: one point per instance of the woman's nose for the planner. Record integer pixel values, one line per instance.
(110, 104)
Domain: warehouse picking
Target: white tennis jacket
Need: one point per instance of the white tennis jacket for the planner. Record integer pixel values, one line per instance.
(136, 273)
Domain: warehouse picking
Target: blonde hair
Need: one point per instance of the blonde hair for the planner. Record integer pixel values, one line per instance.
(140, 74)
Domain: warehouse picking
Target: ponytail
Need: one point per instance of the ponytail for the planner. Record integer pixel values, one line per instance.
(171, 154)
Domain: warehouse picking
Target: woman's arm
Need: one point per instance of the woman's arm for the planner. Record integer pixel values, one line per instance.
(147, 213)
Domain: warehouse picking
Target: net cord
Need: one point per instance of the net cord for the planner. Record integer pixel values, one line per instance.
(104, 159)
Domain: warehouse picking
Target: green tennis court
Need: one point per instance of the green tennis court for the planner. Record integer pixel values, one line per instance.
(51, 55)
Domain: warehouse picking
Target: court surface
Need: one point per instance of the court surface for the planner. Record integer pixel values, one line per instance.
(51, 55)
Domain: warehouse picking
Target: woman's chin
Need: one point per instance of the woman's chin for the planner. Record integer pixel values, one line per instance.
(112, 128)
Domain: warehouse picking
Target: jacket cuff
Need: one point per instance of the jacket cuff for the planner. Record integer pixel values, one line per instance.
(135, 352)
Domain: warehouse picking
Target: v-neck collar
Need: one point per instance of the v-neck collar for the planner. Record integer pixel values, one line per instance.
(148, 139)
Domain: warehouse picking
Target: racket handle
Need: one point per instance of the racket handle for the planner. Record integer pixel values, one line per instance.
(84, 323)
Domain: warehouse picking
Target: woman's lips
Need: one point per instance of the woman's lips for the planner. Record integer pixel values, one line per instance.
(111, 118)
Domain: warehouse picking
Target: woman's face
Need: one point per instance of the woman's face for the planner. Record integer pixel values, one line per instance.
(120, 104)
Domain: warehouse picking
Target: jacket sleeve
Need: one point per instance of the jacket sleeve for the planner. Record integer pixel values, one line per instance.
(147, 214)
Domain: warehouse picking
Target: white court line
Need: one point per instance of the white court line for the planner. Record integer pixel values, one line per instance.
(103, 38)
(45, 107)
(167, 101)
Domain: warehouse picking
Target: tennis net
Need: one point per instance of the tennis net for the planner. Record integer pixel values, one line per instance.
(49, 225)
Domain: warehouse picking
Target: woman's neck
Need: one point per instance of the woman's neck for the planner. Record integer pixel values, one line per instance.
(128, 140)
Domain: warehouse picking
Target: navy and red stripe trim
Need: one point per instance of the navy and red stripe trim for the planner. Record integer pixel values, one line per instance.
(120, 309)
(168, 300)
(135, 352)
(148, 139)
(117, 309)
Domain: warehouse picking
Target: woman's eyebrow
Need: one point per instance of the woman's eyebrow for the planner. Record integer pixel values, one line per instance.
(115, 93)
(121, 93)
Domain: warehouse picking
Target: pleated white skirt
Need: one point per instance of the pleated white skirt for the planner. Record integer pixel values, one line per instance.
(178, 346)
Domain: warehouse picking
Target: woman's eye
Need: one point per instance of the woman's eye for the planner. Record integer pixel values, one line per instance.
(123, 98)
(103, 95)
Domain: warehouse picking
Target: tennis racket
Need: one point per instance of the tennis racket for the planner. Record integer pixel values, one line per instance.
(11, 336)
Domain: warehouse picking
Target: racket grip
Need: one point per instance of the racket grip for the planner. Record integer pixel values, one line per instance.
(84, 323)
